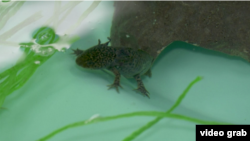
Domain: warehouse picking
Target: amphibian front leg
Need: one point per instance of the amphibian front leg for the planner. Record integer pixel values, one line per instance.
(140, 85)
(116, 83)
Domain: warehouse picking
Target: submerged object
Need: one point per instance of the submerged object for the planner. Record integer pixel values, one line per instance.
(152, 26)
(129, 62)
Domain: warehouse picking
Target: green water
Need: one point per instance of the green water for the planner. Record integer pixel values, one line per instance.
(60, 93)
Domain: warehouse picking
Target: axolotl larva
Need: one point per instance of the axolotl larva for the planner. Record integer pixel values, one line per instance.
(129, 62)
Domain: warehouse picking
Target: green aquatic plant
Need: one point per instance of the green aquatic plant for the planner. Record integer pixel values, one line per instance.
(5, 0)
(177, 103)
(158, 115)
(16, 76)
(41, 48)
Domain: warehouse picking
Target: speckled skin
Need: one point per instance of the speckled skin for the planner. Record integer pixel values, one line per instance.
(129, 62)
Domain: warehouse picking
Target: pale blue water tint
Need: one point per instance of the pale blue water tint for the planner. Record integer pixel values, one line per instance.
(59, 94)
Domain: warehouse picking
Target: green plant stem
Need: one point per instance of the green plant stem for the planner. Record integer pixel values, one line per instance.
(153, 122)
(19, 74)
(145, 113)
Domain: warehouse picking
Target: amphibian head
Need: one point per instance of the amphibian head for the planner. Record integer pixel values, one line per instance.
(90, 59)
(96, 57)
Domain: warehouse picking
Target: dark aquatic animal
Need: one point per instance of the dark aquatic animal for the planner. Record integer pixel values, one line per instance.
(129, 62)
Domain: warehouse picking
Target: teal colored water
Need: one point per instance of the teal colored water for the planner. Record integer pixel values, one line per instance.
(60, 92)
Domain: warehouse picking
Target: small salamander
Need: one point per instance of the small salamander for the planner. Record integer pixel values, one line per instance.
(129, 62)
